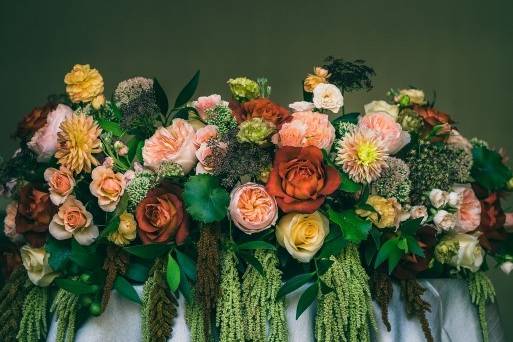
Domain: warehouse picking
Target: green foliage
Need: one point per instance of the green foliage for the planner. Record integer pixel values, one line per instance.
(481, 292)
(33, 325)
(349, 76)
(295, 283)
(148, 251)
(125, 289)
(66, 307)
(160, 96)
(354, 228)
(188, 91)
(59, 251)
(205, 200)
(172, 273)
(488, 169)
(12, 299)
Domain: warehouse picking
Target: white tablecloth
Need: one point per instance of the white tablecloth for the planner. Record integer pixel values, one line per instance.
(453, 318)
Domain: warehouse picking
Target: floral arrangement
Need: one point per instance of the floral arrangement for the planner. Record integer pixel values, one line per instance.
(235, 203)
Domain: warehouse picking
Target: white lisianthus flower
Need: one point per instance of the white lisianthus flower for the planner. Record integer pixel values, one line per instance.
(444, 220)
(416, 96)
(382, 106)
(454, 199)
(35, 261)
(301, 106)
(507, 267)
(418, 211)
(438, 198)
(328, 96)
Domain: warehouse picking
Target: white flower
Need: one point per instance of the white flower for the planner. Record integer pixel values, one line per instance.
(454, 199)
(444, 220)
(470, 253)
(382, 106)
(35, 261)
(507, 267)
(438, 198)
(301, 106)
(418, 211)
(416, 96)
(328, 96)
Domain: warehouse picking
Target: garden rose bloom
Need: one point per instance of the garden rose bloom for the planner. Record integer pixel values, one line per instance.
(35, 211)
(174, 143)
(107, 186)
(416, 96)
(34, 121)
(302, 106)
(438, 198)
(252, 209)
(444, 220)
(161, 216)
(126, 231)
(73, 220)
(260, 108)
(299, 179)
(470, 254)
(469, 210)
(203, 103)
(204, 134)
(35, 261)
(302, 235)
(328, 96)
(60, 183)
(383, 107)
(389, 131)
(44, 141)
(306, 129)
(387, 211)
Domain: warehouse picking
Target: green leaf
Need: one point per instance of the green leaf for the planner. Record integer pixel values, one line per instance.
(188, 91)
(182, 113)
(122, 205)
(323, 265)
(160, 97)
(307, 298)
(257, 245)
(413, 246)
(149, 251)
(488, 169)
(325, 289)
(349, 117)
(402, 244)
(85, 256)
(75, 286)
(172, 273)
(410, 227)
(59, 251)
(251, 260)
(347, 184)
(185, 287)
(187, 265)
(111, 227)
(355, 228)
(111, 127)
(333, 247)
(294, 283)
(205, 200)
(125, 289)
(394, 259)
(388, 248)
(137, 272)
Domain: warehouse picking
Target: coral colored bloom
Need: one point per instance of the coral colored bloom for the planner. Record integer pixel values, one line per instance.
(60, 184)
(260, 108)
(107, 186)
(206, 133)
(204, 103)
(389, 131)
(469, 211)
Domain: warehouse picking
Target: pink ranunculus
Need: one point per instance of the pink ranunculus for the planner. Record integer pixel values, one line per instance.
(204, 134)
(174, 143)
(469, 211)
(252, 209)
(385, 127)
(306, 129)
(203, 153)
(44, 141)
(203, 103)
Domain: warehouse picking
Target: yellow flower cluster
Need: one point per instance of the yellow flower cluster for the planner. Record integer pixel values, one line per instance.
(386, 211)
(85, 84)
(319, 76)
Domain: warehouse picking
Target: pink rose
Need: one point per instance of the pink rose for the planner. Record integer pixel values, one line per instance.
(44, 141)
(107, 186)
(204, 152)
(204, 134)
(60, 184)
(306, 129)
(385, 127)
(203, 103)
(252, 209)
(469, 211)
(174, 143)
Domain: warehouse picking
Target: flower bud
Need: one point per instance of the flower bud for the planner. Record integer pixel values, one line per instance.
(404, 100)
(98, 101)
(438, 198)
(121, 148)
(509, 184)
(507, 267)
(444, 220)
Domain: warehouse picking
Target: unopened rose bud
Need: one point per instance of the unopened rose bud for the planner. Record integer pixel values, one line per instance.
(108, 162)
(98, 102)
(404, 100)
(507, 267)
(121, 148)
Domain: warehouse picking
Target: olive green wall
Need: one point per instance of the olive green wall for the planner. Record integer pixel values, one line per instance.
(461, 49)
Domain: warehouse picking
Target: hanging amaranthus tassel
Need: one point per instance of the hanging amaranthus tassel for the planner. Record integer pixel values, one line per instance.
(207, 285)
(344, 314)
(158, 305)
(12, 298)
(33, 325)
(66, 306)
(194, 320)
(482, 292)
(259, 301)
(229, 305)
(412, 292)
(115, 263)
(382, 291)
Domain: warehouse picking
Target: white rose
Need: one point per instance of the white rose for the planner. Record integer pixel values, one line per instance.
(382, 106)
(328, 96)
(470, 254)
(454, 199)
(302, 106)
(418, 211)
(35, 261)
(444, 220)
(438, 198)
(507, 267)
(416, 96)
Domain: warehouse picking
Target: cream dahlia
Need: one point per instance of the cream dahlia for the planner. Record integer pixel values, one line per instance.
(77, 141)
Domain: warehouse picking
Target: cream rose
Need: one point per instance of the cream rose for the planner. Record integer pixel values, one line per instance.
(416, 96)
(174, 143)
(419, 211)
(35, 261)
(382, 106)
(470, 253)
(301, 106)
(444, 220)
(126, 231)
(328, 96)
(302, 235)
(60, 184)
(107, 186)
(438, 198)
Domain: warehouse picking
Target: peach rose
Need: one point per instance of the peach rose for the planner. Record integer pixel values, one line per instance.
(252, 209)
(469, 211)
(161, 216)
(204, 103)
(73, 220)
(385, 127)
(204, 134)
(306, 129)
(60, 183)
(174, 143)
(10, 222)
(107, 186)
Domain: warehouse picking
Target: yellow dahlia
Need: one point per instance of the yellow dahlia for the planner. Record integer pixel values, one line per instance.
(361, 155)
(77, 140)
(387, 211)
(83, 84)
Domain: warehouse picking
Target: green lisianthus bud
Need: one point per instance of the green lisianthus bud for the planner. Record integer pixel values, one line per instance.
(404, 101)
(256, 131)
(244, 89)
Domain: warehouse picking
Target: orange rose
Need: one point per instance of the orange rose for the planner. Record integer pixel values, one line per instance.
(60, 183)
(432, 116)
(107, 186)
(161, 216)
(260, 108)
(34, 120)
(35, 211)
(300, 180)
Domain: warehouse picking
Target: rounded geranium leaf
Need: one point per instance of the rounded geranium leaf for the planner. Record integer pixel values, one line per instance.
(205, 200)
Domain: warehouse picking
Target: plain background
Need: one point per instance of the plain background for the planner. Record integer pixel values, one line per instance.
(461, 49)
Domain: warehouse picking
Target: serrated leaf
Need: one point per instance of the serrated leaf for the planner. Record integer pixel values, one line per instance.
(149, 251)
(59, 252)
(125, 289)
(112, 127)
(257, 245)
(205, 200)
(172, 273)
(402, 244)
(307, 298)
(75, 286)
(251, 260)
(187, 265)
(160, 96)
(188, 91)
(355, 228)
(294, 283)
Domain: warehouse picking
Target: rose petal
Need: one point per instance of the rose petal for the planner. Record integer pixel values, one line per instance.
(86, 236)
